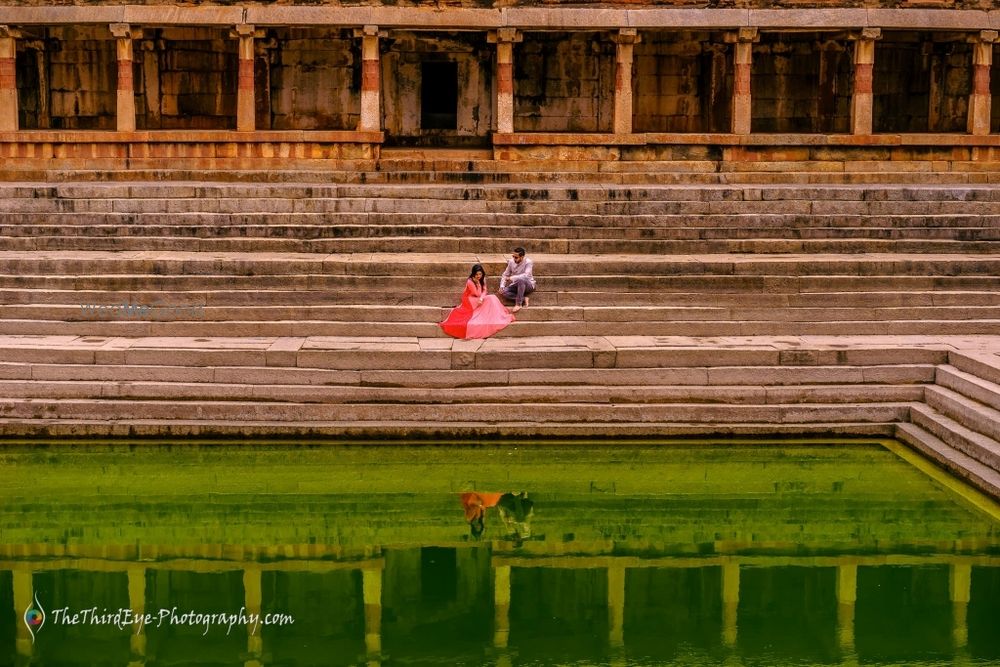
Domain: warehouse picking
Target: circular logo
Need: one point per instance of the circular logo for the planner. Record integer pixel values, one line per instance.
(34, 617)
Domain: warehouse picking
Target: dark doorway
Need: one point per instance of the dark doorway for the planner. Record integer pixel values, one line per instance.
(439, 96)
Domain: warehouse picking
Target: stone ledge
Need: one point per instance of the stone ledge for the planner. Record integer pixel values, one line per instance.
(192, 136)
(722, 139)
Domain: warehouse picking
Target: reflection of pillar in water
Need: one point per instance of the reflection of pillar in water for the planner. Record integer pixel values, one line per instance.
(501, 606)
(137, 603)
(616, 605)
(847, 597)
(730, 602)
(253, 598)
(23, 599)
(371, 585)
(960, 589)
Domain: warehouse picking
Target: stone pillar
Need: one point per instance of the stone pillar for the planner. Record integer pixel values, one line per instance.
(8, 81)
(124, 34)
(501, 606)
(616, 606)
(23, 600)
(742, 59)
(505, 39)
(980, 101)
(253, 600)
(371, 591)
(862, 99)
(137, 603)
(625, 41)
(245, 104)
(847, 597)
(371, 79)
(960, 590)
(730, 602)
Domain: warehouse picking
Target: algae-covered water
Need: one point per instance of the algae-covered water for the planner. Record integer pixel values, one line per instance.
(822, 553)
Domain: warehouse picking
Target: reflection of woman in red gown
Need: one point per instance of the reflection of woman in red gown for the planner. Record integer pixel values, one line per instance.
(480, 314)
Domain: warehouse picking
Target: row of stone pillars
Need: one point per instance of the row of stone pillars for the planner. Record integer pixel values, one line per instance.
(505, 38)
(371, 578)
(959, 585)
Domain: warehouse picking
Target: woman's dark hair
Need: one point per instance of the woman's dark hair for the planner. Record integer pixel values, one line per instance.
(472, 274)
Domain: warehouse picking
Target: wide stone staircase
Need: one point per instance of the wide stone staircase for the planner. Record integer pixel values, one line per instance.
(302, 308)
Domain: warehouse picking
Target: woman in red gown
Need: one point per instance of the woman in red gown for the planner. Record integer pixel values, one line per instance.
(480, 314)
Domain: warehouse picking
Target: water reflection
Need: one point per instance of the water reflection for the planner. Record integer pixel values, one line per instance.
(803, 555)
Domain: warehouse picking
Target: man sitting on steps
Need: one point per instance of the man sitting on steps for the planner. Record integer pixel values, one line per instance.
(517, 281)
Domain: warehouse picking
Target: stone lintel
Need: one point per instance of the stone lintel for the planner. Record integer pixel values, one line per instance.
(525, 18)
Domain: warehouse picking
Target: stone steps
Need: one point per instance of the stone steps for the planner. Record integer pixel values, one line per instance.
(298, 327)
(443, 297)
(929, 206)
(492, 245)
(431, 314)
(552, 378)
(558, 394)
(920, 172)
(699, 288)
(456, 265)
(976, 473)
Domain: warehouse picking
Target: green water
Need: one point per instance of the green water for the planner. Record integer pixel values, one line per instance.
(680, 554)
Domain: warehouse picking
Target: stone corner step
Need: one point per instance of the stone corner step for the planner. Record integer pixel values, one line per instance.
(983, 365)
(973, 414)
(961, 438)
(981, 476)
(969, 385)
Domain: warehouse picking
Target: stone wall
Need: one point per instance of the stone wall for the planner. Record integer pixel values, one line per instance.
(402, 84)
(921, 85)
(995, 90)
(564, 82)
(76, 69)
(186, 80)
(312, 79)
(801, 83)
(682, 83)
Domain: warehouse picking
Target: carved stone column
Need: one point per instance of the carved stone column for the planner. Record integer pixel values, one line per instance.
(371, 79)
(625, 41)
(137, 603)
(8, 79)
(847, 598)
(505, 39)
(245, 104)
(124, 34)
(960, 590)
(616, 606)
(980, 101)
(742, 59)
(862, 100)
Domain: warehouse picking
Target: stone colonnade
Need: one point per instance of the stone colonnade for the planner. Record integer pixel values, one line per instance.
(738, 47)
(502, 570)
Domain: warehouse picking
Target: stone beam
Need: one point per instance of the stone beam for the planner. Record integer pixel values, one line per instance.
(8, 79)
(862, 98)
(980, 102)
(625, 41)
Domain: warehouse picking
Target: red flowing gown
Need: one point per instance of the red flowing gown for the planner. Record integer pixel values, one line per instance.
(471, 319)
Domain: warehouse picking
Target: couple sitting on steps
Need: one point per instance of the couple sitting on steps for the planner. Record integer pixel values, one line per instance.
(481, 314)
